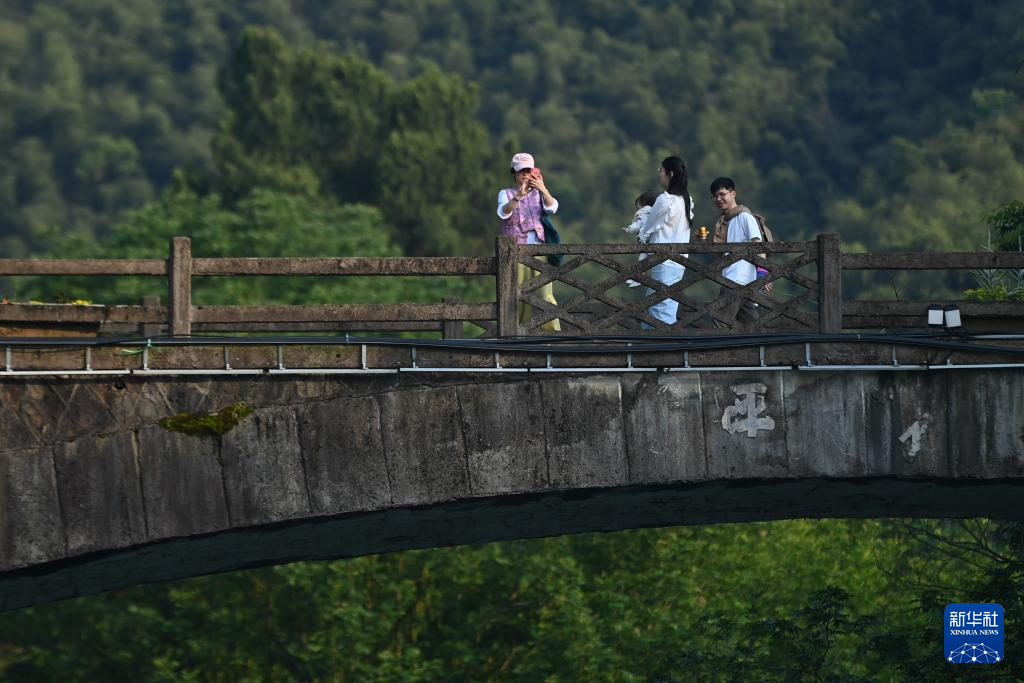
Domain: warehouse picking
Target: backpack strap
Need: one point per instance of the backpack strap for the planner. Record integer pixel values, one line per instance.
(722, 224)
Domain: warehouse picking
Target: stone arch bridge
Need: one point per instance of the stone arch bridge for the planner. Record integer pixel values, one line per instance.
(620, 420)
(417, 447)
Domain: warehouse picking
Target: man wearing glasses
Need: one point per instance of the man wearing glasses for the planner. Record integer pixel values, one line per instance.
(736, 224)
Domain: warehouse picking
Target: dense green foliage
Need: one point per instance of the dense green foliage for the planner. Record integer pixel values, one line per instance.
(895, 124)
(337, 128)
(1005, 231)
(1007, 223)
(381, 128)
(265, 222)
(787, 601)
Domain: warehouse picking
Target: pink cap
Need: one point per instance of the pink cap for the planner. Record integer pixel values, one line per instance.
(521, 161)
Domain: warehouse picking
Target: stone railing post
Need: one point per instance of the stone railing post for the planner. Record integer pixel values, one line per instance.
(451, 329)
(148, 330)
(507, 286)
(830, 284)
(180, 287)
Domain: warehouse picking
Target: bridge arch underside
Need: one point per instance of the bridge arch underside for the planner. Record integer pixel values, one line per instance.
(96, 495)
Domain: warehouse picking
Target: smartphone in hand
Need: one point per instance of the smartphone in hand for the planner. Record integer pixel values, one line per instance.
(535, 176)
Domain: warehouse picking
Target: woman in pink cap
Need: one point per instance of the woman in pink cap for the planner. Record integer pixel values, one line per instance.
(519, 208)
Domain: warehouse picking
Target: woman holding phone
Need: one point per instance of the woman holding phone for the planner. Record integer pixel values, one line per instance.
(519, 208)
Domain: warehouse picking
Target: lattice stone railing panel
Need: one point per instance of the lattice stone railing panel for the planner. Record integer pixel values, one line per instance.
(590, 287)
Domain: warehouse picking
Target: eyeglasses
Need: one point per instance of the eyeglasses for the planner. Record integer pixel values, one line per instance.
(722, 195)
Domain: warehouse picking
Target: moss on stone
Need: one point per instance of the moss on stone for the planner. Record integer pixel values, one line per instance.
(207, 424)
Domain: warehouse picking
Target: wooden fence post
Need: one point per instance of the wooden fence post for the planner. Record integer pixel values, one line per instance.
(830, 284)
(180, 286)
(507, 285)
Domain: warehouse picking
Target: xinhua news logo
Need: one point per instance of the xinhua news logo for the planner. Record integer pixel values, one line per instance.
(974, 633)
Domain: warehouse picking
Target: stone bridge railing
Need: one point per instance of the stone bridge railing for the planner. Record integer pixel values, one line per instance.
(807, 279)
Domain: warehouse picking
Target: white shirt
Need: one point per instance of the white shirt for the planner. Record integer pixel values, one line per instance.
(667, 223)
(638, 220)
(742, 228)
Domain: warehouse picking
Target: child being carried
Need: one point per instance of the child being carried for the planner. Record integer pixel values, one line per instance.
(643, 205)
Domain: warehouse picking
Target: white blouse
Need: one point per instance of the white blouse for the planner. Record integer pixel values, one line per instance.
(667, 223)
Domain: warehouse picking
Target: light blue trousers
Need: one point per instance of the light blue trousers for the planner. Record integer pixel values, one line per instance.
(667, 273)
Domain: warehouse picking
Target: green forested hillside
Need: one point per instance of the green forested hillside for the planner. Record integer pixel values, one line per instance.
(895, 124)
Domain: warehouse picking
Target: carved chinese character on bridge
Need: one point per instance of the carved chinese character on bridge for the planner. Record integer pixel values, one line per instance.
(912, 437)
(745, 412)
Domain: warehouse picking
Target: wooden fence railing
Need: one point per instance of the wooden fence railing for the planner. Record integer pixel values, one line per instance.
(591, 284)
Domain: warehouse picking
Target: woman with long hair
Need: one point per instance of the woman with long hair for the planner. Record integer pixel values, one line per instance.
(668, 223)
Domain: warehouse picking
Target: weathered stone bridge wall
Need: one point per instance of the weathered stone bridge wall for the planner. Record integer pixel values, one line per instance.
(96, 495)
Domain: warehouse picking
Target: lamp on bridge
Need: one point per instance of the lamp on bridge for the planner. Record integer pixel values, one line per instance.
(947, 317)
